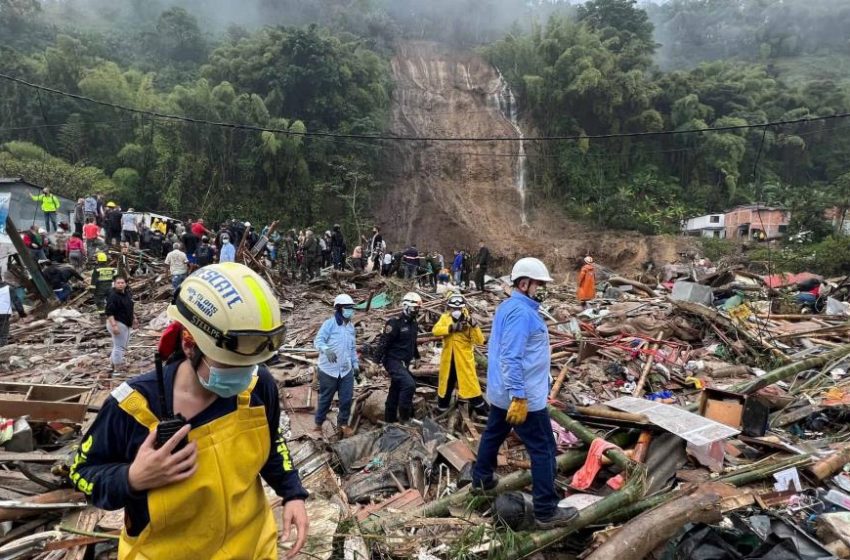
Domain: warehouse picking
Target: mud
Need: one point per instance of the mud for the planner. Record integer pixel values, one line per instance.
(443, 195)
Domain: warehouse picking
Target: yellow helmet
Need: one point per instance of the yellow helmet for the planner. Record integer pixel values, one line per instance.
(231, 312)
(111, 204)
(101, 257)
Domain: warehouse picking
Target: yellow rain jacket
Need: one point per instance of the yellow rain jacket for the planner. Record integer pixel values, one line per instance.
(458, 346)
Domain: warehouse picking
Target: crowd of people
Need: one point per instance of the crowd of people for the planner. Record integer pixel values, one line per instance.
(226, 324)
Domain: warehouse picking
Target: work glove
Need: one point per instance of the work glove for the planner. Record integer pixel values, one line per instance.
(456, 327)
(517, 412)
(330, 355)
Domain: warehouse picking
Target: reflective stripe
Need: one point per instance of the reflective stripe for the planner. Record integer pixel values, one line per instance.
(262, 303)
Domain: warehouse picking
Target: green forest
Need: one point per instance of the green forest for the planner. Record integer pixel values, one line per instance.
(602, 67)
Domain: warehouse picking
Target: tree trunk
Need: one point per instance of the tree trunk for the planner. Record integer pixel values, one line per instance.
(640, 536)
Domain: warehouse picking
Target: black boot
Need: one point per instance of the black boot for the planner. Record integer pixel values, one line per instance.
(405, 414)
(479, 407)
(561, 517)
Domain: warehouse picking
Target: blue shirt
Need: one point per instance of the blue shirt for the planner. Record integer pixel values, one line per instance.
(337, 335)
(458, 262)
(518, 354)
(228, 253)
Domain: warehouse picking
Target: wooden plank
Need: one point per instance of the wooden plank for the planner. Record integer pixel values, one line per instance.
(43, 411)
(10, 456)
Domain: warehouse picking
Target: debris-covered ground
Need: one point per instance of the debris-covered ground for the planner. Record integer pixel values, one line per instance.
(726, 424)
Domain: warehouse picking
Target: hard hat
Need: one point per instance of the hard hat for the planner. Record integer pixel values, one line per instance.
(328, 232)
(588, 260)
(204, 238)
(247, 224)
(101, 257)
(42, 230)
(110, 204)
(231, 312)
(529, 267)
(343, 299)
(411, 300)
(456, 301)
(44, 261)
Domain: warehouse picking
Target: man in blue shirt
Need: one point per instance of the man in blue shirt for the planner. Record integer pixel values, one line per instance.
(338, 364)
(517, 388)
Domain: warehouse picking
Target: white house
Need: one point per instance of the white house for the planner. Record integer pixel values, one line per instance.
(710, 225)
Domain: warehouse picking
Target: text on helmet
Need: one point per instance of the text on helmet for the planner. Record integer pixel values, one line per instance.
(220, 284)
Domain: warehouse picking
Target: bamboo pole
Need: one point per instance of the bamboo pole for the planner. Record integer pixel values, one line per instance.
(784, 372)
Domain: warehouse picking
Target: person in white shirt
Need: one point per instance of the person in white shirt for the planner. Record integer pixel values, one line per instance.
(178, 265)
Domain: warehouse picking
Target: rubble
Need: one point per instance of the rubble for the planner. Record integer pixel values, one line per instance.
(704, 403)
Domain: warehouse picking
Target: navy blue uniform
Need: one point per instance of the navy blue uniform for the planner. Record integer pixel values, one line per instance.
(396, 350)
(102, 464)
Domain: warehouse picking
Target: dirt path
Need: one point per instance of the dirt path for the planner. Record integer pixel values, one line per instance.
(446, 195)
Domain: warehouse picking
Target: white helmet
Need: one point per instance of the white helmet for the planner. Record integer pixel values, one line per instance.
(529, 267)
(588, 260)
(343, 300)
(411, 301)
(231, 312)
(456, 301)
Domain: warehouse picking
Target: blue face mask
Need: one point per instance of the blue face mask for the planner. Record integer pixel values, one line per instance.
(228, 382)
(347, 314)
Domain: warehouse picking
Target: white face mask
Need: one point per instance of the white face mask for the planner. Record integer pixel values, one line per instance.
(457, 314)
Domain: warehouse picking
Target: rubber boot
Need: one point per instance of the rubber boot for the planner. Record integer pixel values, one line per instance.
(405, 414)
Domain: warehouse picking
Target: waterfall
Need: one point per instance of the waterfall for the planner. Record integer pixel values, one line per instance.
(503, 100)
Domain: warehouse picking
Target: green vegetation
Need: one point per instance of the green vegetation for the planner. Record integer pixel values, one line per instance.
(284, 78)
(592, 74)
(318, 66)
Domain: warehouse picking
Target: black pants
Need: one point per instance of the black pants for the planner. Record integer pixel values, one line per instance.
(479, 278)
(476, 404)
(399, 405)
(4, 328)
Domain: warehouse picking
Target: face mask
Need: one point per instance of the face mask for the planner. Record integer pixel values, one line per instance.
(457, 314)
(347, 314)
(228, 382)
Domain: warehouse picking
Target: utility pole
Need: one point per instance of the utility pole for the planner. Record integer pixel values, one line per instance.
(44, 290)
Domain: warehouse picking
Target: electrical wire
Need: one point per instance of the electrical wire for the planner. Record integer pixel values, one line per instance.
(320, 134)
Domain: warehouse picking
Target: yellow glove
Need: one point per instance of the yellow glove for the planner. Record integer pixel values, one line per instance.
(517, 412)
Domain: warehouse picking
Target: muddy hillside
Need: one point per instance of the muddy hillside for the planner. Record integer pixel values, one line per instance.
(447, 194)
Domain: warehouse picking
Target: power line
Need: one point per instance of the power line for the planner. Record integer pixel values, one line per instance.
(319, 134)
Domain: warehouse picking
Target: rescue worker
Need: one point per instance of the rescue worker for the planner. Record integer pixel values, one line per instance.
(312, 257)
(112, 223)
(101, 280)
(460, 333)
(482, 263)
(338, 364)
(518, 388)
(396, 350)
(49, 206)
(376, 249)
(337, 248)
(102, 277)
(206, 499)
(586, 290)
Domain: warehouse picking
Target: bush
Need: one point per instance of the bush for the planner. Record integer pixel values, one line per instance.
(715, 248)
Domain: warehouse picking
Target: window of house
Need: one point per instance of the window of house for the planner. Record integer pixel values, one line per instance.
(716, 234)
(783, 228)
(714, 219)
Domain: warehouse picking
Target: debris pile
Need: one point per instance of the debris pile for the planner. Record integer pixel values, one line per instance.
(697, 415)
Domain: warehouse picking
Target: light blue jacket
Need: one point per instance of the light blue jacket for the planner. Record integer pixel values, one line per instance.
(337, 335)
(228, 253)
(518, 354)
